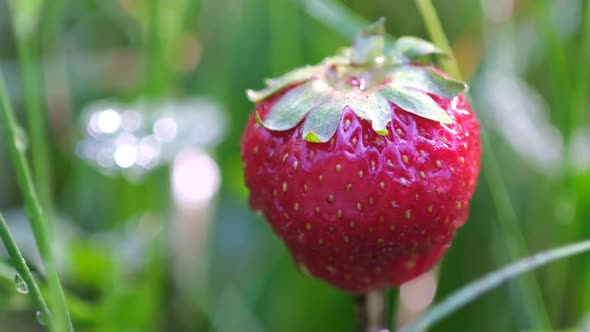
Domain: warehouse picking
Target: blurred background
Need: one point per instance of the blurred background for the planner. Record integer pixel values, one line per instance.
(133, 111)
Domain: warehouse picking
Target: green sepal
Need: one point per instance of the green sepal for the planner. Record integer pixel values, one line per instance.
(373, 107)
(295, 104)
(408, 49)
(415, 102)
(275, 84)
(322, 121)
(322, 91)
(427, 79)
(369, 44)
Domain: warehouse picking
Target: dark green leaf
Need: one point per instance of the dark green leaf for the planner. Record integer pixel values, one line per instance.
(295, 104)
(276, 84)
(373, 107)
(322, 121)
(369, 44)
(416, 102)
(408, 48)
(428, 80)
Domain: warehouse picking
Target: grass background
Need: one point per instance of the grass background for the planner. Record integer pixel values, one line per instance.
(118, 240)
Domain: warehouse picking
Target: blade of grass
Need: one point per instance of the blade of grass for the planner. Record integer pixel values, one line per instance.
(334, 15)
(23, 270)
(437, 34)
(33, 208)
(579, 119)
(153, 62)
(284, 23)
(533, 300)
(528, 286)
(36, 118)
(25, 15)
(561, 82)
(581, 74)
(481, 286)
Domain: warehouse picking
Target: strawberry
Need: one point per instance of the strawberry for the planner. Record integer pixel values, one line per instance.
(365, 163)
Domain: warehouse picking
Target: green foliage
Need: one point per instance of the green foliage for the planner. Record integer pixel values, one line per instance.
(130, 258)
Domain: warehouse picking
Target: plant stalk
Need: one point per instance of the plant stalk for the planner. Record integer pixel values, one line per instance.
(438, 36)
(560, 78)
(36, 117)
(582, 69)
(153, 62)
(38, 220)
(23, 270)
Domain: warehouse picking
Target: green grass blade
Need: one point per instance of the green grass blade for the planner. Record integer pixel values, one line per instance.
(438, 36)
(36, 118)
(334, 15)
(481, 286)
(33, 208)
(528, 287)
(560, 78)
(582, 69)
(21, 267)
(36, 115)
(153, 62)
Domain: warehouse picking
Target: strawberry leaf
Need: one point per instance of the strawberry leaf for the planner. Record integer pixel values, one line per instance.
(427, 80)
(415, 102)
(275, 84)
(322, 121)
(406, 49)
(294, 105)
(369, 44)
(373, 107)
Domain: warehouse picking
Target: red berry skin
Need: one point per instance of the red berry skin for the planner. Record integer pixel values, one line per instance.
(365, 211)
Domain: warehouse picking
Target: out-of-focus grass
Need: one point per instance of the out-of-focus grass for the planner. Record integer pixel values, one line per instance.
(116, 247)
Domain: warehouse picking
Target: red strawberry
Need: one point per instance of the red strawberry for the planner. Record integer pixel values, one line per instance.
(365, 163)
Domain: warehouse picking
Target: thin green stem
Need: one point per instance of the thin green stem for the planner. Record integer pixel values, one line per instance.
(534, 304)
(33, 208)
(582, 71)
(438, 36)
(283, 23)
(562, 85)
(481, 286)
(25, 273)
(36, 117)
(392, 299)
(153, 60)
(579, 109)
(338, 17)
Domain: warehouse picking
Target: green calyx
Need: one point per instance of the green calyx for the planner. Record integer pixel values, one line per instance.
(366, 77)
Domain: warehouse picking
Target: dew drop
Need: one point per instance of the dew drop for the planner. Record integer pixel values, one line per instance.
(21, 139)
(20, 284)
(42, 317)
